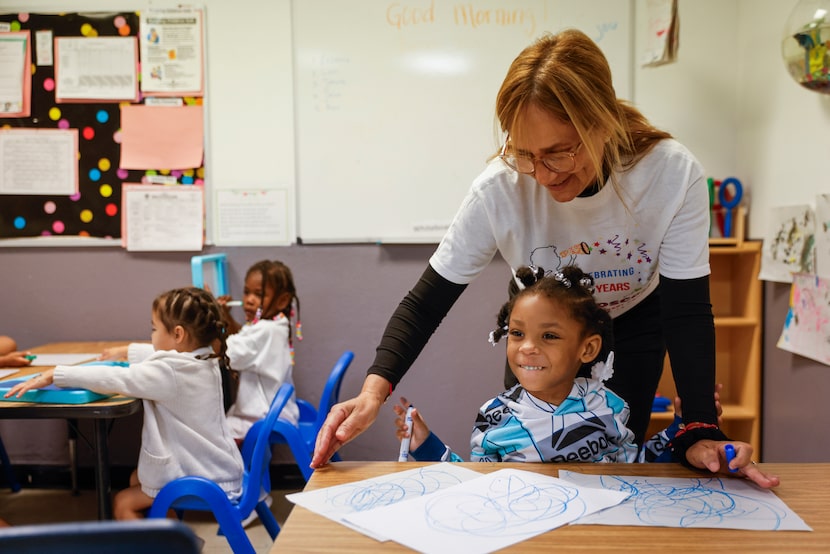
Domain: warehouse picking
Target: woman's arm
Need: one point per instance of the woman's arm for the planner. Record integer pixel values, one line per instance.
(412, 324)
(689, 332)
(410, 327)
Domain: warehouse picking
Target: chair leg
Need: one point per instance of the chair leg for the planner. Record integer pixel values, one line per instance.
(72, 443)
(268, 520)
(233, 531)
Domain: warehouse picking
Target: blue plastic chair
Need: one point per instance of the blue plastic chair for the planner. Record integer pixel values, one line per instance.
(198, 493)
(220, 263)
(301, 437)
(159, 536)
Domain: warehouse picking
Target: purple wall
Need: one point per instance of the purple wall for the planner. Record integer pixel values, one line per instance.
(347, 294)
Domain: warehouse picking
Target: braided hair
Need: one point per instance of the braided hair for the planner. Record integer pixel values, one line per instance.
(197, 311)
(574, 291)
(276, 275)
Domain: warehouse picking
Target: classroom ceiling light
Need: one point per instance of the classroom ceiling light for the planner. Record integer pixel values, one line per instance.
(437, 63)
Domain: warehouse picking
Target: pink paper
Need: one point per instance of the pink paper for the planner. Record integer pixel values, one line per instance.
(161, 137)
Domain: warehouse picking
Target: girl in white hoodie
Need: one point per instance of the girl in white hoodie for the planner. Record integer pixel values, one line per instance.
(185, 430)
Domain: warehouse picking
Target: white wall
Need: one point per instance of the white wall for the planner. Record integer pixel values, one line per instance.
(784, 129)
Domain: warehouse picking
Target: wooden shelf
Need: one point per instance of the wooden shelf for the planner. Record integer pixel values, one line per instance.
(737, 305)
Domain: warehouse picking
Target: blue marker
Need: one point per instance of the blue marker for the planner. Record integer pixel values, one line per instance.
(403, 455)
(730, 455)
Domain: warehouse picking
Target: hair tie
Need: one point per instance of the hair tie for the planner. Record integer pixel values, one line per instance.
(587, 283)
(602, 371)
(492, 339)
(559, 276)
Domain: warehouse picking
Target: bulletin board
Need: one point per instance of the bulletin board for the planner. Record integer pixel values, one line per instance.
(395, 103)
(95, 210)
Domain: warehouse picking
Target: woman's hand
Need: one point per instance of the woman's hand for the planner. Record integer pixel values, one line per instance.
(348, 419)
(15, 359)
(711, 455)
(419, 432)
(43, 380)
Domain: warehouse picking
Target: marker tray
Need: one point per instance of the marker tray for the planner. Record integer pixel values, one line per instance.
(51, 394)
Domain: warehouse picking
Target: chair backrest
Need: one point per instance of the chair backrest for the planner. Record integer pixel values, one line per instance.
(331, 392)
(159, 536)
(257, 473)
(220, 262)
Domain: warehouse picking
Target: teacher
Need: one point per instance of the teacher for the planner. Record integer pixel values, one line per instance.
(582, 178)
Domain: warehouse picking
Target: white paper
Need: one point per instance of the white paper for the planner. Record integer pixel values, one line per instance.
(163, 218)
(63, 359)
(7, 372)
(43, 47)
(39, 161)
(251, 217)
(788, 245)
(805, 331)
(822, 235)
(662, 33)
(487, 513)
(12, 66)
(171, 51)
(705, 502)
(96, 68)
(340, 501)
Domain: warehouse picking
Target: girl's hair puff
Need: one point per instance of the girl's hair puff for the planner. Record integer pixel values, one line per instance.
(572, 289)
(197, 311)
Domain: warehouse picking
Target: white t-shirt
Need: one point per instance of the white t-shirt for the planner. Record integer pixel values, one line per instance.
(661, 226)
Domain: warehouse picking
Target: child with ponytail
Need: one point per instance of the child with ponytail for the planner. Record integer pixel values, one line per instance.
(261, 351)
(185, 430)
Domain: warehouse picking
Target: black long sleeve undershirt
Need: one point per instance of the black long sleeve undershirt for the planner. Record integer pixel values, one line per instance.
(413, 323)
(689, 333)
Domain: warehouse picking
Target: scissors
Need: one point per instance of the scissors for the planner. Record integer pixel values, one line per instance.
(729, 201)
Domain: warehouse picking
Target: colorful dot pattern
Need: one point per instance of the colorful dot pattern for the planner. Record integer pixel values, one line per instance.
(95, 211)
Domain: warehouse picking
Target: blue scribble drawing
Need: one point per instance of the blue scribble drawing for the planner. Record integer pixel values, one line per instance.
(340, 501)
(485, 514)
(703, 503)
(700, 502)
(366, 495)
(510, 506)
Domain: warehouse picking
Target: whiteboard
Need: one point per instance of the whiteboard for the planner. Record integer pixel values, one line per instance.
(395, 104)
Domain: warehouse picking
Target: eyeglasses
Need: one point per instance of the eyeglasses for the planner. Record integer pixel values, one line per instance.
(561, 162)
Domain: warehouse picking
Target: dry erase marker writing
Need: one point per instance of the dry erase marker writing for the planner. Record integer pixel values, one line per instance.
(404, 453)
(730, 455)
(231, 303)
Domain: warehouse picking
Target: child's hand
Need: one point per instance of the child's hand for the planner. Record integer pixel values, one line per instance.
(15, 359)
(223, 302)
(43, 380)
(420, 431)
(114, 353)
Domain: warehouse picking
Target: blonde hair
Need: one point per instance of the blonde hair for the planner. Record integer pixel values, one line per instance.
(567, 75)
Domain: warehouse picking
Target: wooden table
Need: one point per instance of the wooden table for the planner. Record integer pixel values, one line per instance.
(805, 488)
(101, 412)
